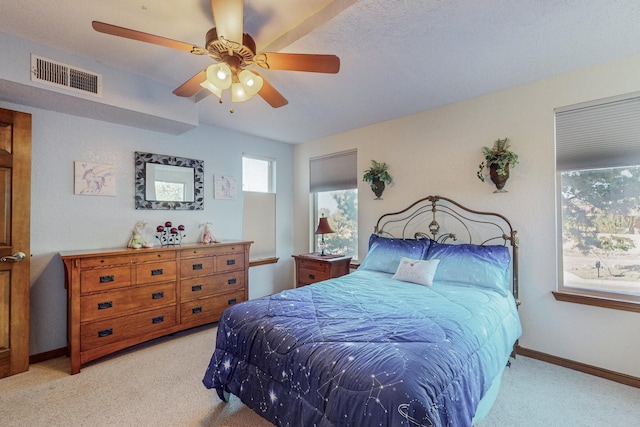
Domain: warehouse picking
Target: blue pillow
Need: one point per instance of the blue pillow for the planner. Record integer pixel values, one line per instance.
(474, 265)
(385, 253)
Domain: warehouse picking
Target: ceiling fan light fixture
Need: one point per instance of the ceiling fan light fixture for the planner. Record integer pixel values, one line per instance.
(219, 75)
(213, 88)
(251, 82)
(238, 94)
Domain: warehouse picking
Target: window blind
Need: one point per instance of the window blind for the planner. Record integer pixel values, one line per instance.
(259, 224)
(336, 171)
(599, 134)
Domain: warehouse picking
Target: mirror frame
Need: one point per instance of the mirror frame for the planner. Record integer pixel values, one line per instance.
(141, 160)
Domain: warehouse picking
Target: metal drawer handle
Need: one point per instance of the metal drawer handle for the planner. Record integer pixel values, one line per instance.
(197, 266)
(105, 305)
(231, 262)
(312, 276)
(158, 319)
(105, 333)
(196, 310)
(196, 288)
(231, 301)
(157, 272)
(231, 281)
(107, 279)
(157, 295)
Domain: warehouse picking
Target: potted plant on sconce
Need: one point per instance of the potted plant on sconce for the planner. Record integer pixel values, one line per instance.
(498, 159)
(377, 176)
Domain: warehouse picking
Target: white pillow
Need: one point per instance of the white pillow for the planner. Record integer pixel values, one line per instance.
(417, 271)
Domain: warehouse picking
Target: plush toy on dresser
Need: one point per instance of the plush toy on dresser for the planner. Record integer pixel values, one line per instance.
(207, 236)
(137, 241)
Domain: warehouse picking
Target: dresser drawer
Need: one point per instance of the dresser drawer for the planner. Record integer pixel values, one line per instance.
(102, 261)
(208, 310)
(155, 256)
(211, 285)
(106, 332)
(211, 250)
(229, 262)
(193, 267)
(313, 265)
(102, 279)
(123, 301)
(154, 272)
(199, 252)
(309, 275)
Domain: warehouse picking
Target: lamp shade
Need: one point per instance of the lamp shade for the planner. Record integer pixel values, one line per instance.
(324, 227)
(251, 82)
(219, 75)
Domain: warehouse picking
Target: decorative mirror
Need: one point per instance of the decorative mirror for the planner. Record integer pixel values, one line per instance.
(167, 182)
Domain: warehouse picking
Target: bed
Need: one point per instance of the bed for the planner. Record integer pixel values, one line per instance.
(418, 335)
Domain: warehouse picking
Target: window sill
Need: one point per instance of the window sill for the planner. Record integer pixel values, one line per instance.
(596, 301)
(263, 261)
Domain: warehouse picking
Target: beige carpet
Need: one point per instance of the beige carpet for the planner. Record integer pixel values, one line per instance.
(154, 384)
(159, 384)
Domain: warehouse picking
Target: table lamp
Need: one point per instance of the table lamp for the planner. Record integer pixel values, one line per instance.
(323, 228)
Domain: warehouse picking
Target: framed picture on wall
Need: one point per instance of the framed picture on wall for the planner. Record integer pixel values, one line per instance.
(94, 179)
(225, 187)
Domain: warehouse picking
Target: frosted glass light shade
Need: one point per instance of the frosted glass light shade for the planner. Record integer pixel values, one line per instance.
(238, 93)
(219, 75)
(213, 88)
(251, 82)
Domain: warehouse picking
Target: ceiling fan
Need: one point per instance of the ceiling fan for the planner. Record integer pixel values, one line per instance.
(234, 51)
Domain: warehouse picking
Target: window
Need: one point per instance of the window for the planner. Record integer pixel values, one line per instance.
(600, 222)
(259, 206)
(333, 185)
(598, 167)
(341, 209)
(258, 175)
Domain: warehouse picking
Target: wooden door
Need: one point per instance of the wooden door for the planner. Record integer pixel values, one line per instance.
(15, 204)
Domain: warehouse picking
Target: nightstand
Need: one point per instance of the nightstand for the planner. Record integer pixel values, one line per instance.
(311, 268)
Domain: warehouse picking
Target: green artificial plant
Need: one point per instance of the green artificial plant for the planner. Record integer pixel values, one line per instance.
(379, 171)
(499, 155)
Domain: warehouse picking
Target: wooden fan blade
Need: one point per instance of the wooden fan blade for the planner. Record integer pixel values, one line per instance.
(114, 30)
(229, 19)
(192, 86)
(271, 95)
(298, 62)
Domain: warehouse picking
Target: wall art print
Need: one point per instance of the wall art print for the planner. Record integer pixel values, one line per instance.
(94, 179)
(225, 187)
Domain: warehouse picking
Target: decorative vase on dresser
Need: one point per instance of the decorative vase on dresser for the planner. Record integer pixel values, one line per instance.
(121, 297)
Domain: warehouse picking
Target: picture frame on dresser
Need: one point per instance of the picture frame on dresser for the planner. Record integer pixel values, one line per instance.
(117, 298)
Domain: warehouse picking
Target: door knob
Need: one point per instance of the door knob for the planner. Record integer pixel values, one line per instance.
(17, 257)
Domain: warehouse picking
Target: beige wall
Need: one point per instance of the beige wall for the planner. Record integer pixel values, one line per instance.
(438, 152)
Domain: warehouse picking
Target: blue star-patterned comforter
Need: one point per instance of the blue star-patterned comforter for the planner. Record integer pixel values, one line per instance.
(365, 350)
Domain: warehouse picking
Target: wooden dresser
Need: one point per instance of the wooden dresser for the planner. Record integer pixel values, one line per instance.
(120, 297)
(313, 267)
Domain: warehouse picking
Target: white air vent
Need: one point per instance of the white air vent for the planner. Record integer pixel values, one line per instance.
(62, 75)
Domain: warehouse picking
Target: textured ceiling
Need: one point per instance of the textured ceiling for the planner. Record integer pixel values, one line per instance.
(397, 57)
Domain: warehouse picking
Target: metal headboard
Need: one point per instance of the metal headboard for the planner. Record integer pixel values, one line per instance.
(442, 219)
